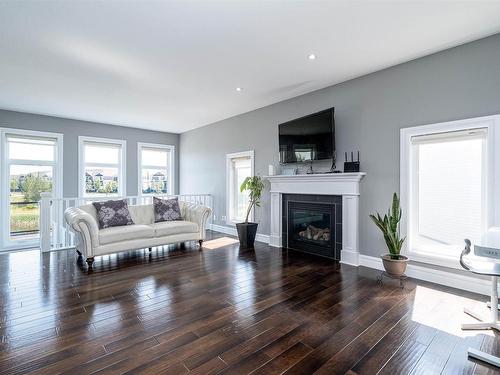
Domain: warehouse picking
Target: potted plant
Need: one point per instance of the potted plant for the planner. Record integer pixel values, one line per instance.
(394, 262)
(247, 231)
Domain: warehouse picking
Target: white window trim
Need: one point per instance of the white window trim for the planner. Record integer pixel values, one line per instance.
(492, 179)
(229, 157)
(122, 162)
(57, 192)
(171, 165)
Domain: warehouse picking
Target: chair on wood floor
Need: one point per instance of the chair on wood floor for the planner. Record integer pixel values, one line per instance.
(484, 262)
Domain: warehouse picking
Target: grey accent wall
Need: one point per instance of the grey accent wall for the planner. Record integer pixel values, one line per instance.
(71, 129)
(454, 84)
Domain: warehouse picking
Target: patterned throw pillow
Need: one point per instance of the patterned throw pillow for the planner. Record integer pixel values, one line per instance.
(166, 209)
(113, 213)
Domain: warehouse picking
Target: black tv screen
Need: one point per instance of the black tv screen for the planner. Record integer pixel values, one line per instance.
(308, 138)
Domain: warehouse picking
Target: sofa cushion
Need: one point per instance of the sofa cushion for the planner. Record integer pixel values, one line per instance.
(124, 233)
(142, 214)
(113, 213)
(168, 228)
(166, 209)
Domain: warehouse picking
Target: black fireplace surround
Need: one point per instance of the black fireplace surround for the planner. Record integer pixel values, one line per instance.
(313, 224)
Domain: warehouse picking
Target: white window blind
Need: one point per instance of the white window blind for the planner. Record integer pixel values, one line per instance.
(448, 190)
(31, 148)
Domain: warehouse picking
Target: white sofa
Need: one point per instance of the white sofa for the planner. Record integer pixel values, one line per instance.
(145, 233)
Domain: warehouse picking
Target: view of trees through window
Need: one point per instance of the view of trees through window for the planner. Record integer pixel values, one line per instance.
(155, 177)
(31, 169)
(154, 181)
(25, 193)
(102, 168)
(101, 181)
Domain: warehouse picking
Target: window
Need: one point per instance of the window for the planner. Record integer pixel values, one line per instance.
(156, 168)
(239, 166)
(446, 172)
(102, 167)
(32, 166)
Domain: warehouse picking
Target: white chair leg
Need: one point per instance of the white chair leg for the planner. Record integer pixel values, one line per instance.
(485, 357)
(479, 326)
(494, 298)
(493, 323)
(473, 314)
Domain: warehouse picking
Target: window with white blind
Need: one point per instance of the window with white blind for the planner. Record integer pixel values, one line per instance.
(102, 167)
(156, 169)
(31, 165)
(445, 176)
(448, 189)
(240, 165)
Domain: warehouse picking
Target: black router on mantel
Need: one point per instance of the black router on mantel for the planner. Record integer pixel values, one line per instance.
(351, 166)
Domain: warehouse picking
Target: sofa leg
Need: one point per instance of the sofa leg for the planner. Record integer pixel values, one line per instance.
(200, 242)
(90, 261)
(150, 249)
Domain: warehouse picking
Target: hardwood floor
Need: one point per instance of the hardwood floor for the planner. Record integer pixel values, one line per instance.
(179, 311)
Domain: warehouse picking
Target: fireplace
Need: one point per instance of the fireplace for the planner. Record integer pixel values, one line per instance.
(338, 189)
(313, 224)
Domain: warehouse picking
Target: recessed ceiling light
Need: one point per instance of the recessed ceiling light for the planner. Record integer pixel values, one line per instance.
(239, 89)
(312, 56)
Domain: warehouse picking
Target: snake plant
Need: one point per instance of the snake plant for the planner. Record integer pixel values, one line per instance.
(389, 225)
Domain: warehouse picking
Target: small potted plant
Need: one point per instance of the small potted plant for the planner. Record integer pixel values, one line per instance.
(394, 262)
(247, 231)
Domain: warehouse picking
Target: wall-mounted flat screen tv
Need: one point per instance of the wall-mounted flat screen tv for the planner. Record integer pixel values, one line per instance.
(308, 138)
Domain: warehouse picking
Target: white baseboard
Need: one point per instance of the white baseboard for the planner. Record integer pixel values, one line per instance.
(274, 241)
(349, 257)
(232, 231)
(451, 279)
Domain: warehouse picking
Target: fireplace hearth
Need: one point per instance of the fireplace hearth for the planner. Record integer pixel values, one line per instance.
(313, 224)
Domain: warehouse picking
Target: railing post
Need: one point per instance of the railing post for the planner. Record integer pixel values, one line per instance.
(45, 203)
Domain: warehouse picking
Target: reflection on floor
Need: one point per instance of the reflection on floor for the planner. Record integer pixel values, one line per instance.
(177, 310)
(217, 243)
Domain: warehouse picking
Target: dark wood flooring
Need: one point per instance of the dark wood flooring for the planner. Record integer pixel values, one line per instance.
(222, 310)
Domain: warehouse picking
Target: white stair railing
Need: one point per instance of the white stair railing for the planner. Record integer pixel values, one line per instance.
(55, 234)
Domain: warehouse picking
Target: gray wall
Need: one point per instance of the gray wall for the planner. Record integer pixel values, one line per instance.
(457, 83)
(71, 129)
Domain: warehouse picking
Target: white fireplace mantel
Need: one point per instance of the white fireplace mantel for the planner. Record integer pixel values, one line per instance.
(344, 184)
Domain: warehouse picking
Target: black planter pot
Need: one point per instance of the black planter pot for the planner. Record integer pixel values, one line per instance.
(246, 234)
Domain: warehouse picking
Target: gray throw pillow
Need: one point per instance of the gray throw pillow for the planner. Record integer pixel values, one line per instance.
(113, 213)
(166, 209)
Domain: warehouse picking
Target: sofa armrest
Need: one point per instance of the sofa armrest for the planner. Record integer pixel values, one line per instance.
(84, 224)
(198, 214)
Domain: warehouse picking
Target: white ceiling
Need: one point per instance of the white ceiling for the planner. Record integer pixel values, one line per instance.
(175, 66)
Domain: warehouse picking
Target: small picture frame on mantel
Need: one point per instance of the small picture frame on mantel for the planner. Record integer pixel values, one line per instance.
(288, 171)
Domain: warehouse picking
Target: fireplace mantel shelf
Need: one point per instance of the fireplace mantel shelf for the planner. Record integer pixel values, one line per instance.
(344, 184)
(325, 183)
(316, 177)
